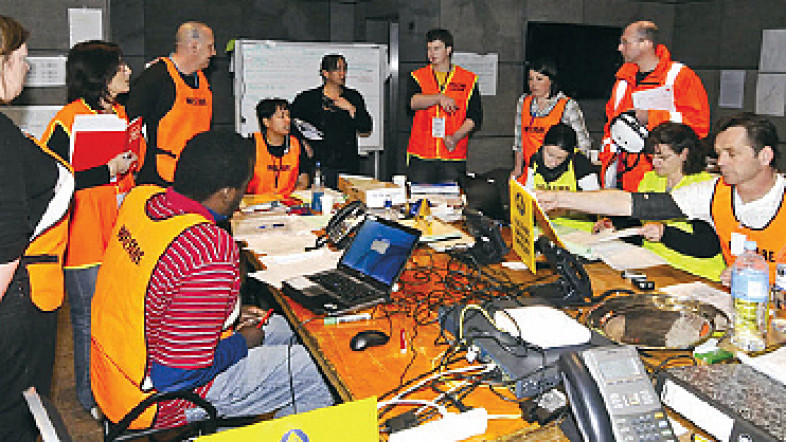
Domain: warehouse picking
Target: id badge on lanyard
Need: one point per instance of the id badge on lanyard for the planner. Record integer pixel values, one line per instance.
(438, 127)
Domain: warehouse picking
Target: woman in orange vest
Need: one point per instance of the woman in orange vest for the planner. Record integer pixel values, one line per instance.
(281, 165)
(35, 191)
(95, 75)
(543, 106)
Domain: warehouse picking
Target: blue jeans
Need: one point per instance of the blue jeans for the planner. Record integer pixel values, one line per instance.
(260, 382)
(80, 285)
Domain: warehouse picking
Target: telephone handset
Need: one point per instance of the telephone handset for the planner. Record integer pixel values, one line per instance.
(573, 285)
(612, 397)
(343, 224)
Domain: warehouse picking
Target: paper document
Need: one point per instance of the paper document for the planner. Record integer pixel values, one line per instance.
(277, 269)
(700, 291)
(608, 235)
(659, 98)
(772, 364)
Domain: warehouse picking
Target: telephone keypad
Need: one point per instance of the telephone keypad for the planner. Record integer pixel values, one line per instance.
(645, 427)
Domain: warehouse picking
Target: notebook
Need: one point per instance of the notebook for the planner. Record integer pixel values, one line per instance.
(365, 274)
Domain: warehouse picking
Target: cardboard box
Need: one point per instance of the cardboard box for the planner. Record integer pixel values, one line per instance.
(373, 193)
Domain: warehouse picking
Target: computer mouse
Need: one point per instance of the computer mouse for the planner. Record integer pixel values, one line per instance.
(368, 338)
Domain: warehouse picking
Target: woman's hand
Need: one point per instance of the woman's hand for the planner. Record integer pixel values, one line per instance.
(121, 164)
(652, 231)
(602, 225)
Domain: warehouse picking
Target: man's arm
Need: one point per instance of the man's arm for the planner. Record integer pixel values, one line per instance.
(145, 93)
(418, 100)
(610, 202)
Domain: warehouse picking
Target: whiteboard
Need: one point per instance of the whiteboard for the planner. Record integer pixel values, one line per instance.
(270, 69)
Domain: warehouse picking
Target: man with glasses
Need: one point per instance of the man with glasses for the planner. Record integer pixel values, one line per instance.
(340, 114)
(654, 89)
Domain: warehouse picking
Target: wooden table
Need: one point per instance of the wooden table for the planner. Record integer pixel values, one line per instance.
(377, 370)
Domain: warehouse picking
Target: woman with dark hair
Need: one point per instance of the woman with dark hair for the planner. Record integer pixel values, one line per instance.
(35, 191)
(541, 107)
(559, 166)
(678, 160)
(95, 75)
(340, 113)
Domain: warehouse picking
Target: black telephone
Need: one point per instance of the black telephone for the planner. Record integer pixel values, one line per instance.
(343, 224)
(573, 285)
(611, 396)
(490, 247)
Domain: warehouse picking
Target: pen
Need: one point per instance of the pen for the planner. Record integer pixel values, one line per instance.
(331, 320)
(403, 341)
(265, 318)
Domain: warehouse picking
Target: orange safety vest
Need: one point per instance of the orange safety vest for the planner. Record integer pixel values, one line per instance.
(459, 86)
(94, 209)
(769, 239)
(190, 114)
(44, 257)
(533, 129)
(274, 175)
(118, 352)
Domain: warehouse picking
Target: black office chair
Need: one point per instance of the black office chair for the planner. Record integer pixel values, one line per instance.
(120, 432)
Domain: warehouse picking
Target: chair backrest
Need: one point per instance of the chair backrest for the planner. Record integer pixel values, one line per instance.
(48, 420)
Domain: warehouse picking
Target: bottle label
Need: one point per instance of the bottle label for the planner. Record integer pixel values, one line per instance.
(749, 285)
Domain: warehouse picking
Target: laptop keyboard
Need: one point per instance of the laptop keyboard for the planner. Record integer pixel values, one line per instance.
(345, 288)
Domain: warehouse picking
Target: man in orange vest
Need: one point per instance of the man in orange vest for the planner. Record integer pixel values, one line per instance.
(745, 202)
(648, 72)
(444, 101)
(282, 161)
(165, 312)
(175, 101)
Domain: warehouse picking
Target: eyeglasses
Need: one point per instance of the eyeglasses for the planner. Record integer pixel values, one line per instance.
(626, 42)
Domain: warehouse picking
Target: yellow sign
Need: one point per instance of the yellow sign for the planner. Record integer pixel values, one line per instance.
(522, 227)
(352, 422)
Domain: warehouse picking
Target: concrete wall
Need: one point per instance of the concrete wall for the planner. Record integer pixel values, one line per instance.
(708, 36)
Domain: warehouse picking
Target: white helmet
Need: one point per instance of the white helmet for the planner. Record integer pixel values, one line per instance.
(627, 133)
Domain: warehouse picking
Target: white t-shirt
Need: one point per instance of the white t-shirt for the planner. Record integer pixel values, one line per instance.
(695, 201)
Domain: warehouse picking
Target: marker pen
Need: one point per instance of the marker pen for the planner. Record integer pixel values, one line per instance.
(333, 320)
(265, 318)
(403, 342)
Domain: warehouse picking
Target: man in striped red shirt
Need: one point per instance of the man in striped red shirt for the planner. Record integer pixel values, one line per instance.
(167, 300)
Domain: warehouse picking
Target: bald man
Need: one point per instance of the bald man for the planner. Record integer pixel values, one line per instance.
(174, 99)
(648, 67)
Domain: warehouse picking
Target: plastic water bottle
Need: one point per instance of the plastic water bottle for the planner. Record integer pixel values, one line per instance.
(390, 212)
(319, 180)
(317, 189)
(750, 283)
(778, 299)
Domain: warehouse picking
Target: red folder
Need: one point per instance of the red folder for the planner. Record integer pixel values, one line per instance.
(96, 139)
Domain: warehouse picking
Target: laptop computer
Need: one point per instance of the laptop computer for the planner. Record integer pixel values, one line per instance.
(365, 274)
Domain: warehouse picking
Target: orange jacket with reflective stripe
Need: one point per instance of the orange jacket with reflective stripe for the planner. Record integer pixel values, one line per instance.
(274, 175)
(94, 209)
(690, 107)
(44, 257)
(769, 239)
(118, 352)
(190, 114)
(459, 86)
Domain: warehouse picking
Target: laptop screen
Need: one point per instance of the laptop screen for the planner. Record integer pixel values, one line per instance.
(380, 250)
